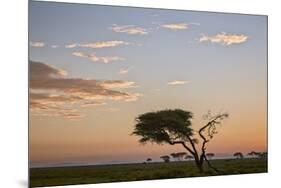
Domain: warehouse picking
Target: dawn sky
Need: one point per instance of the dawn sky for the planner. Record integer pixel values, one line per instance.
(94, 69)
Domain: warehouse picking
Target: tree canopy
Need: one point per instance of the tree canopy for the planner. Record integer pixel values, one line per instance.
(166, 158)
(239, 155)
(210, 155)
(165, 126)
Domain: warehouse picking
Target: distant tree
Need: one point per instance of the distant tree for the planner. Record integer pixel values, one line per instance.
(174, 127)
(148, 160)
(181, 155)
(262, 155)
(189, 157)
(253, 154)
(238, 155)
(165, 158)
(210, 155)
(178, 156)
(175, 156)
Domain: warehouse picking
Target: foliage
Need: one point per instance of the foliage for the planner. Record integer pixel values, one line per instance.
(238, 155)
(164, 126)
(166, 158)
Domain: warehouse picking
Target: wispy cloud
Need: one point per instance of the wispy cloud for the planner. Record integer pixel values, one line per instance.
(102, 44)
(177, 82)
(92, 103)
(224, 38)
(129, 29)
(117, 84)
(175, 26)
(54, 46)
(124, 71)
(73, 45)
(112, 110)
(37, 44)
(51, 93)
(93, 57)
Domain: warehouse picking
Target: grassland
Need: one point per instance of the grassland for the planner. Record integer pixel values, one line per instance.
(132, 172)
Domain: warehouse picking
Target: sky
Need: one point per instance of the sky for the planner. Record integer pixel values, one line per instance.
(93, 69)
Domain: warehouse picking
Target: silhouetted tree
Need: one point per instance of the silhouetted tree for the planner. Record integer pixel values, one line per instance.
(253, 154)
(210, 155)
(238, 155)
(174, 127)
(262, 155)
(175, 156)
(166, 158)
(181, 155)
(189, 157)
(178, 156)
(148, 160)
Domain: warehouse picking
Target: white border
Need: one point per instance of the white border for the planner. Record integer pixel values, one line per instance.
(13, 72)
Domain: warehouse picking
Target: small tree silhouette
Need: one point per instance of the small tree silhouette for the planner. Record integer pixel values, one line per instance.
(181, 155)
(253, 154)
(189, 157)
(238, 155)
(166, 158)
(175, 156)
(262, 155)
(178, 156)
(210, 155)
(148, 160)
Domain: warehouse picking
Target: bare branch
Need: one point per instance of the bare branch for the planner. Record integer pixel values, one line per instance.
(211, 128)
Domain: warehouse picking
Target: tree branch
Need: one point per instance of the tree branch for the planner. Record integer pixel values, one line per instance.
(192, 145)
(211, 123)
(183, 144)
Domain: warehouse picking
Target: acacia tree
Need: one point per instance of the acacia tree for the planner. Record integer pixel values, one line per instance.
(174, 127)
(253, 154)
(181, 155)
(189, 157)
(175, 156)
(238, 155)
(210, 155)
(165, 158)
(148, 160)
(263, 155)
(178, 156)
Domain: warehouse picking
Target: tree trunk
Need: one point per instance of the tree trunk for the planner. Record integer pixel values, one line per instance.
(200, 167)
(199, 164)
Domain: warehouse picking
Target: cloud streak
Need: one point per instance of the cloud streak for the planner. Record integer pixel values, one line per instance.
(54, 46)
(177, 82)
(102, 44)
(129, 29)
(224, 38)
(175, 26)
(119, 84)
(37, 44)
(124, 71)
(52, 93)
(93, 57)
